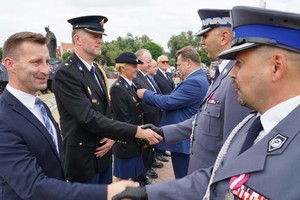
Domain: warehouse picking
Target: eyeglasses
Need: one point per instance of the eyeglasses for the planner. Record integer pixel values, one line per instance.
(164, 62)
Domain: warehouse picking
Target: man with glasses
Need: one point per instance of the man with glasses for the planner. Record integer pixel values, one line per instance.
(163, 78)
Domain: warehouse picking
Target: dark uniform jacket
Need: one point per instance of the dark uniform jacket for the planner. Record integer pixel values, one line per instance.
(126, 107)
(85, 119)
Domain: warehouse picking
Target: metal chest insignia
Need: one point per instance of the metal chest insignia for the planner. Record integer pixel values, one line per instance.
(276, 142)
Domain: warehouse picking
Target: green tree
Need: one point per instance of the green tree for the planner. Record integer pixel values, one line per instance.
(155, 49)
(204, 57)
(66, 55)
(111, 50)
(177, 42)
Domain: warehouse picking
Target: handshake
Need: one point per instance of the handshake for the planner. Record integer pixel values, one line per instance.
(149, 139)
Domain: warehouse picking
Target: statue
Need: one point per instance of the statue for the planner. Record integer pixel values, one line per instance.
(51, 43)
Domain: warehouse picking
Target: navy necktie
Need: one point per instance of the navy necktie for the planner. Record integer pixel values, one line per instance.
(217, 73)
(47, 120)
(156, 88)
(169, 78)
(93, 72)
(252, 134)
(133, 87)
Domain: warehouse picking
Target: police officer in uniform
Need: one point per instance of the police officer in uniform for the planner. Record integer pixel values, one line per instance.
(83, 104)
(259, 160)
(127, 107)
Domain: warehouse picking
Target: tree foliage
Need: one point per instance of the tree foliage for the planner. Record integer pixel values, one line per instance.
(111, 50)
(177, 42)
(66, 55)
(204, 57)
(155, 49)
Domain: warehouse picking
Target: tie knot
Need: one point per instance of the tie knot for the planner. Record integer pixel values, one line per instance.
(256, 126)
(38, 101)
(93, 70)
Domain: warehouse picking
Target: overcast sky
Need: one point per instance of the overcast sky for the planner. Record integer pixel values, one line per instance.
(159, 19)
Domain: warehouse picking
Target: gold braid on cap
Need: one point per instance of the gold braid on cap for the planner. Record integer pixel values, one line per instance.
(105, 80)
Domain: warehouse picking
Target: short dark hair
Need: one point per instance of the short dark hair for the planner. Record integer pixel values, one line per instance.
(15, 40)
(189, 52)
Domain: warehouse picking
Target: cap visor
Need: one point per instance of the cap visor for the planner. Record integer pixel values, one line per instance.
(200, 33)
(230, 54)
(94, 31)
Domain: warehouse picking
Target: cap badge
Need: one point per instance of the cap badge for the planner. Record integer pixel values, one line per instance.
(277, 142)
(102, 22)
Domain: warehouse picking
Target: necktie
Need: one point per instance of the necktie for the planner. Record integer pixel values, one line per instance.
(47, 121)
(217, 73)
(252, 134)
(169, 78)
(133, 87)
(155, 87)
(93, 72)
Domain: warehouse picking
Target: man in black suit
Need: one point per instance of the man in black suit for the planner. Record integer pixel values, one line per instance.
(163, 78)
(152, 114)
(164, 81)
(83, 104)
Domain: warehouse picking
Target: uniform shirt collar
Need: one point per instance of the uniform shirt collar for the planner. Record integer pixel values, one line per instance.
(86, 64)
(129, 82)
(222, 65)
(277, 113)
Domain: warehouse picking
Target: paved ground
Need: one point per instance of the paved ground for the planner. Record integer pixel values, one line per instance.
(165, 173)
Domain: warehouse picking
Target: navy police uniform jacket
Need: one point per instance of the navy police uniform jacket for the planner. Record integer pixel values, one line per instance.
(85, 118)
(126, 107)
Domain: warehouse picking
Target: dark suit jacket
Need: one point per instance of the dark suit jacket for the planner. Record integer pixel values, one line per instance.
(85, 118)
(30, 167)
(152, 114)
(165, 86)
(126, 107)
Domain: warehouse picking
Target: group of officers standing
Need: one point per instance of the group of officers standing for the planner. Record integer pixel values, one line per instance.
(36, 159)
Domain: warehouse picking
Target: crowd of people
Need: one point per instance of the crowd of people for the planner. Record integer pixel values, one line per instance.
(227, 139)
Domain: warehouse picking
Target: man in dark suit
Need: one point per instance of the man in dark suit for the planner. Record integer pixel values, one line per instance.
(152, 114)
(30, 145)
(269, 169)
(83, 104)
(164, 79)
